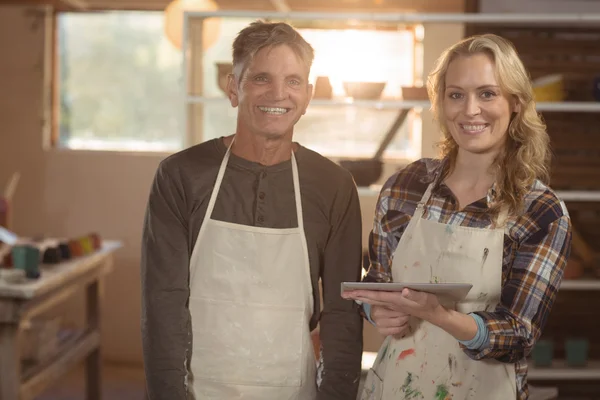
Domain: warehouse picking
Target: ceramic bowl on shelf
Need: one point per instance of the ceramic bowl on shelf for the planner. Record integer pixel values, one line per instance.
(364, 90)
(365, 171)
(577, 350)
(322, 88)
(549, 88)
(543, 353)
(414, 93)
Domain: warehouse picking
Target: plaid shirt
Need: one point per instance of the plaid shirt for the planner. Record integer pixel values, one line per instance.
(536, 249)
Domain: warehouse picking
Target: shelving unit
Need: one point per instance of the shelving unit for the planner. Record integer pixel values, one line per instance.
(585, 109)
(192, 66)
(561, 371)
(564, 195)
(193, 22)
(406, 17)
(404, 104)
(580, 284)
(25, 301)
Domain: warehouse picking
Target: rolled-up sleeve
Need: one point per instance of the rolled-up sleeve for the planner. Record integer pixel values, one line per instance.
(529, 292)
(341, 323)
(164, 278)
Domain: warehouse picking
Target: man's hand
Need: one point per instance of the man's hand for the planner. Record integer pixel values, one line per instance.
(389, 322)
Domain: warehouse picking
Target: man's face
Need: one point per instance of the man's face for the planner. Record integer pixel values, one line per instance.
(272, 94)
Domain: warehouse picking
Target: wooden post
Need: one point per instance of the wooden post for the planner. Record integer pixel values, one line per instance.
(6, 201)
(93, 365)
(10, 363)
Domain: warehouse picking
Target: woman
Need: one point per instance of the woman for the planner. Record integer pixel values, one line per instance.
(480, 215)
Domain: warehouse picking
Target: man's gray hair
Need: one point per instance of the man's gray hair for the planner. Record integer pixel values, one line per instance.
(261, 34)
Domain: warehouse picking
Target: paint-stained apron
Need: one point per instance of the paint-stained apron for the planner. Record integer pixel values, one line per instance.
(250, 304)
(428, 362)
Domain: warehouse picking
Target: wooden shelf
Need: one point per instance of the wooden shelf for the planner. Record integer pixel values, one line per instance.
(564, 195)
(580, 284)
(25, 380)
(76, 352)
(581, 106)
(561, 371)
(67, 340)
(55, 276)
(579, 195)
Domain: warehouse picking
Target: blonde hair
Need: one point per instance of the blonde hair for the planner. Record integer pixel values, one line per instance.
(526, 155)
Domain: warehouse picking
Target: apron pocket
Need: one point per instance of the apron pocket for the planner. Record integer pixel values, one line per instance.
(247, 344)
(372, 388)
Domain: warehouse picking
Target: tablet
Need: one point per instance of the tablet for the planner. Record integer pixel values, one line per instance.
(453, 291)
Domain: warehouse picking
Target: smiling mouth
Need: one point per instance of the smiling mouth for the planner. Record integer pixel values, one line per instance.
(473, 128)
(274, 110)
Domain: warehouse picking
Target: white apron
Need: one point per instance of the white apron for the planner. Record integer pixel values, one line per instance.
(250, 305)
(428, 362)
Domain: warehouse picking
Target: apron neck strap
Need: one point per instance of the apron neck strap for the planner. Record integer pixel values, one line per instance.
(219, 180)
(297, 192)
(502, 217)
(500, 220)
(215, 191)
(425, 198)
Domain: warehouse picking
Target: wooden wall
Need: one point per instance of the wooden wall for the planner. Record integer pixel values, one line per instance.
(575, 139)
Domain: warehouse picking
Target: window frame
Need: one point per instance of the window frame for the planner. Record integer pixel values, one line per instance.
(54, 67)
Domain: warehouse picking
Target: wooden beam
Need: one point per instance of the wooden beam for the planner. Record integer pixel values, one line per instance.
(471, 6)
(62, 5)
(281, 5)
(76, 4)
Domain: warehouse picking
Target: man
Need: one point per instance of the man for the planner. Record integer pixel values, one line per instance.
(237, 234)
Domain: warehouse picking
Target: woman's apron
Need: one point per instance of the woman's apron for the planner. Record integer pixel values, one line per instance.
(428, 362)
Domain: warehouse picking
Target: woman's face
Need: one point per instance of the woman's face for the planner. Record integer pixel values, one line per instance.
(476, 111)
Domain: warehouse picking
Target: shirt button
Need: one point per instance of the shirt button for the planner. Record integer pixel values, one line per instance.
(261, 219)
(264, 174)
(261, 195)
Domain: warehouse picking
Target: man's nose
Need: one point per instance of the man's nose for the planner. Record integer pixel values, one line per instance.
(278, 91)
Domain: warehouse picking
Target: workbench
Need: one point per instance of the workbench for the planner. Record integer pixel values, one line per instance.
(19, 302)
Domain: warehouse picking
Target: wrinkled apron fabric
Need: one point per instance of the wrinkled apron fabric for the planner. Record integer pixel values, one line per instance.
(250, 304)
(428, 362)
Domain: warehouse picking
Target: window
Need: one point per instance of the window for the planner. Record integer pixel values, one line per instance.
(120, 86)
(119, 83)
(369, 56)
(331, 127)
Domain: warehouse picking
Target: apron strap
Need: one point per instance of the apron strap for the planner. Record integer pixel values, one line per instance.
(297, 194)
(223, 167)
(425, 198)
(502, 217)
(500, 221)
(215, 192)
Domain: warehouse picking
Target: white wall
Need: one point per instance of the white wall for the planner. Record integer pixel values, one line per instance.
(69, 193)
